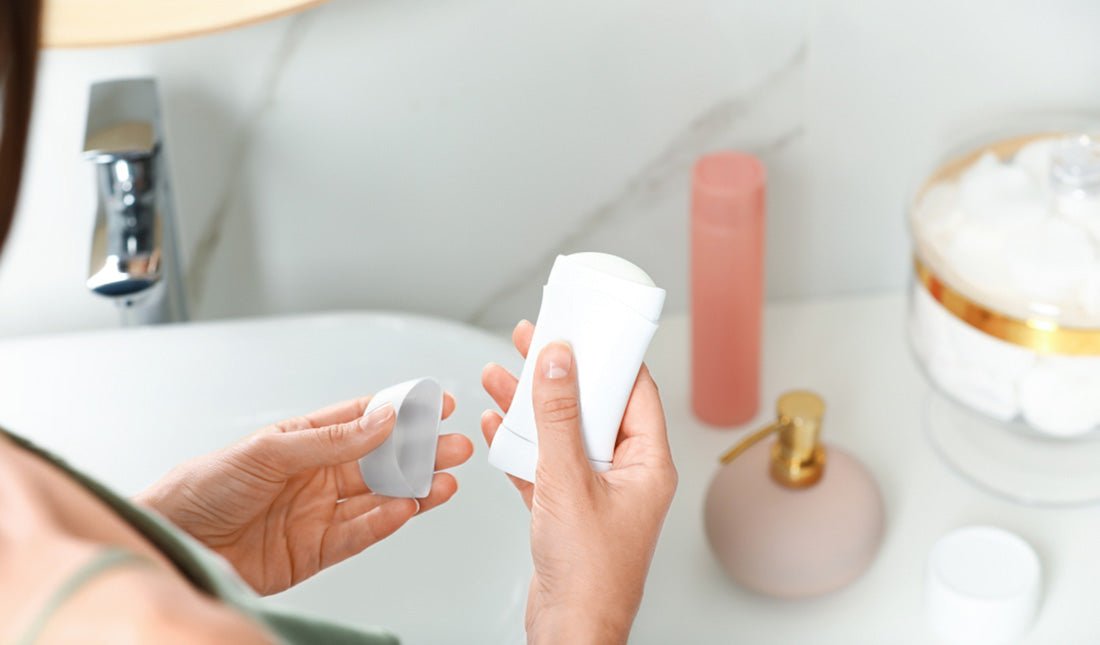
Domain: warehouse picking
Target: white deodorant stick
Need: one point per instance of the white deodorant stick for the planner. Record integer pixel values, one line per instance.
(607, 309)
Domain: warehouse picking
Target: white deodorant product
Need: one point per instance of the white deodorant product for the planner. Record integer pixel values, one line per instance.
(607, 309)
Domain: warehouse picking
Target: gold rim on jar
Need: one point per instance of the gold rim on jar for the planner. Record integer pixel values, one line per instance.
(1041, 335)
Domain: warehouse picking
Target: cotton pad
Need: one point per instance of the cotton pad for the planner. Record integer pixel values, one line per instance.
(1048, 259)
(990, 181)
(1062, 397)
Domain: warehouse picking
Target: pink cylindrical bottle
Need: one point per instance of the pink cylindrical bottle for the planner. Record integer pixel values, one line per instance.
(727, 286)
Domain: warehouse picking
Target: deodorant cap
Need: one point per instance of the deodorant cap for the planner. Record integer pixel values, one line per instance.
(983, 586)
(403, 465)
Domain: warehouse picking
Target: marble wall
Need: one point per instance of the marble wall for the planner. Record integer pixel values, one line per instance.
(436, 156)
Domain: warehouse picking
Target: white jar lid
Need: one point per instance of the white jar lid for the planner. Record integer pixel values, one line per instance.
(983, 586)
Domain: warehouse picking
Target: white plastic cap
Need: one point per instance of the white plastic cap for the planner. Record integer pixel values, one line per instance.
(405, 462)
(983, 586)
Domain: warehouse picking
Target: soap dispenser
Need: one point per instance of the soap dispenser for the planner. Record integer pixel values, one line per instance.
(793, 519)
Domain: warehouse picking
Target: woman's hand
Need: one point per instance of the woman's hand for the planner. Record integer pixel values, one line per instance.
(592, 534)
(288, 501)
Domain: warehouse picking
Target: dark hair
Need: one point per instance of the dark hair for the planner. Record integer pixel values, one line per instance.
(19, 34)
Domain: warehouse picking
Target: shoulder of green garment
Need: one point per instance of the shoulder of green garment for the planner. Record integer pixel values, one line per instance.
(297, 629)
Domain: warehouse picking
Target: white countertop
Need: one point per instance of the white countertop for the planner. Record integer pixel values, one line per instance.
(138, 401)
(853, 352)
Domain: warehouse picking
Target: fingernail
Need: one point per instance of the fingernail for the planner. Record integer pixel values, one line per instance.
(377, 416)
(556, 360)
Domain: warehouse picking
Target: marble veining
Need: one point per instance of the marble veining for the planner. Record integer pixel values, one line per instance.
(211, 235)
(435, 157)
(665, 174)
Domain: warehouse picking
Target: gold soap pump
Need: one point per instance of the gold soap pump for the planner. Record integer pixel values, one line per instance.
(783, 524)
(798, 460)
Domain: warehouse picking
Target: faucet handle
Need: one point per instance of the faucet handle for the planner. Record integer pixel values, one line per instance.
(133, 138)
(123, 117)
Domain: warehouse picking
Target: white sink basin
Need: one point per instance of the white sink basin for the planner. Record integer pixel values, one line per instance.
(126, 405)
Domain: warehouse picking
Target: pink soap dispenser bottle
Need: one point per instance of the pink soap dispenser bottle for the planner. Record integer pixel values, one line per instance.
(727, 287)
(793, 519)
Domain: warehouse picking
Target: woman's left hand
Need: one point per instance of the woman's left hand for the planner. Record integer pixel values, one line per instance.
(288, 501)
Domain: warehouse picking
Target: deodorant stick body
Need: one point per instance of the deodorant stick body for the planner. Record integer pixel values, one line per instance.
(607, 309)
(727, 287)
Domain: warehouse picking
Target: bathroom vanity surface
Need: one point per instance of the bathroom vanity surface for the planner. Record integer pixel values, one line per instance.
(126, 405)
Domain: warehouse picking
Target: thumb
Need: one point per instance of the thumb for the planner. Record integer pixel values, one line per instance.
(300, 450)
(556, 403)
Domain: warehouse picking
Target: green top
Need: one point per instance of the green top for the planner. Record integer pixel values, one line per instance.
(207, 571)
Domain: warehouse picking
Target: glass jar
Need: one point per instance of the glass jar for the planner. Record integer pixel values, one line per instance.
(1005, 311)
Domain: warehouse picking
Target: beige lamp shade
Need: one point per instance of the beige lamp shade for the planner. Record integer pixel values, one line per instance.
(98, 23)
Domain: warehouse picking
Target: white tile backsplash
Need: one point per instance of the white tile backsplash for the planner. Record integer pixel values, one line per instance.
(435, 156)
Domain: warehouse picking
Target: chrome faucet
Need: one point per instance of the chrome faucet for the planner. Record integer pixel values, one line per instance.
(135, 259)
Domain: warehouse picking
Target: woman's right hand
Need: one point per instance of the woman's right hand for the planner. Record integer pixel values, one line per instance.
(592, 534)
